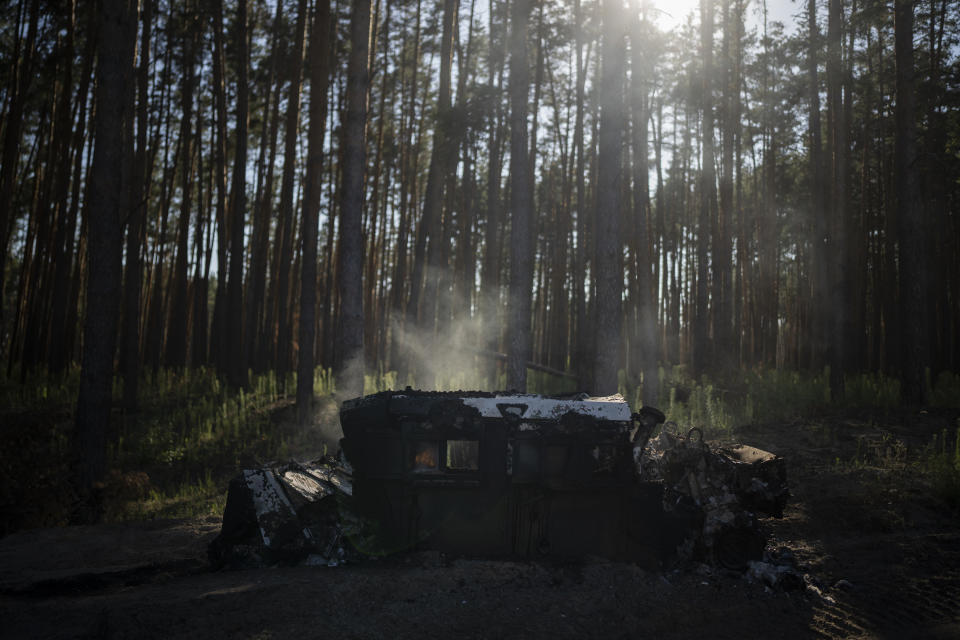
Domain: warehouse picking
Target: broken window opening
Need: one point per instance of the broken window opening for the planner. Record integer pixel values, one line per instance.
(426, 456)
(463, 455)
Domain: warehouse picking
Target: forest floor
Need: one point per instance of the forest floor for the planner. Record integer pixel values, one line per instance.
(869, 523)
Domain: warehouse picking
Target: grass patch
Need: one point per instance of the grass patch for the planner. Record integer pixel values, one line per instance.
(942, 464)
(945, 391)
(173, 458)
(719, 406)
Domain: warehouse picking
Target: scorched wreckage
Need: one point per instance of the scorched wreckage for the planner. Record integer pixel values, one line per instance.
(510, 475)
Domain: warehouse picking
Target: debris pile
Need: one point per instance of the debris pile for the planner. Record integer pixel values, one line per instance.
(729, 487)
(285, 514)
(505, 474)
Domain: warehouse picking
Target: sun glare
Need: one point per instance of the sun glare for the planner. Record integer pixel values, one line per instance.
(670, 14)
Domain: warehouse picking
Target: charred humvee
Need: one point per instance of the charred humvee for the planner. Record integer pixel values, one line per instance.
(505, 474)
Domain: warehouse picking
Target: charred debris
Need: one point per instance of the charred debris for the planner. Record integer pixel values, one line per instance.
(506, 475)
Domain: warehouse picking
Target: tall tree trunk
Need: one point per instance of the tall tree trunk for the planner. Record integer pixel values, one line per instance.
(198, 285)
(838, 192)
(818, 255)
(108, 206)
(378, 213)
(490, 269)
(644, 297)
(350, 263)
(609, 244)
(724, 351)
(218, 345)
(154, 339)
(258, 340)
(428, 267)
(582, 332)
(708, 194)
(81, 169)
(318, 63)
(236, 361)
(284, 346)
(130, 350)
(911, 216)
(70, 143)
(521, 202)
(176, 345)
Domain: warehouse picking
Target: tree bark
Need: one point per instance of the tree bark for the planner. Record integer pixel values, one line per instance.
(175, 352)
(708, 195)
(645, 301)
(490, 269)
(218, 345)
(236, 360)
(350, 368)
(911, 216)
(724, 350)
(130, 350)
(423, 303)
(818, 214)
(69, 143)
(838, 192)
(581, 331)
(521, 202)
(108, 205)
(259, 339)
(284, 346)
(318, 63)
(609, 245)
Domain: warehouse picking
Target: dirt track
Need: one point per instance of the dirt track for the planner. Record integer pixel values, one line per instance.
(882, 552)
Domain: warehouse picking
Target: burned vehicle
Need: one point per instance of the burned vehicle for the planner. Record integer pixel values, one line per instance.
(507, 475)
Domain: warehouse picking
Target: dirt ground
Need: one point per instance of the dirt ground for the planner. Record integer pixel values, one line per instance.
(881, 552)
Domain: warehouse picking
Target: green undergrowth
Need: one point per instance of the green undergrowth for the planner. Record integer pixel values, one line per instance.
(942, 463)
(719, 406)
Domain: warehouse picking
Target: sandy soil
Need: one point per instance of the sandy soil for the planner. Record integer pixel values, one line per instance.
(881, 551)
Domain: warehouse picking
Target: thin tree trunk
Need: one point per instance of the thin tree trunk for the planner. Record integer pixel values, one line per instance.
(176, 343)
(130, 350)
(70, 143)
(431, 221)
(911, 217)
(645, 298)
(318, 63)
(818, 213)
(236, 361)
(724, 351)
(350, 260)
(198, 286)
(284, 346)
(490, 269)
(258, 339)
(581, 330)
(708, 194)
(219, 347)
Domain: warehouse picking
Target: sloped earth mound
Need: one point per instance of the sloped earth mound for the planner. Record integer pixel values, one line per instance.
(880, 549)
